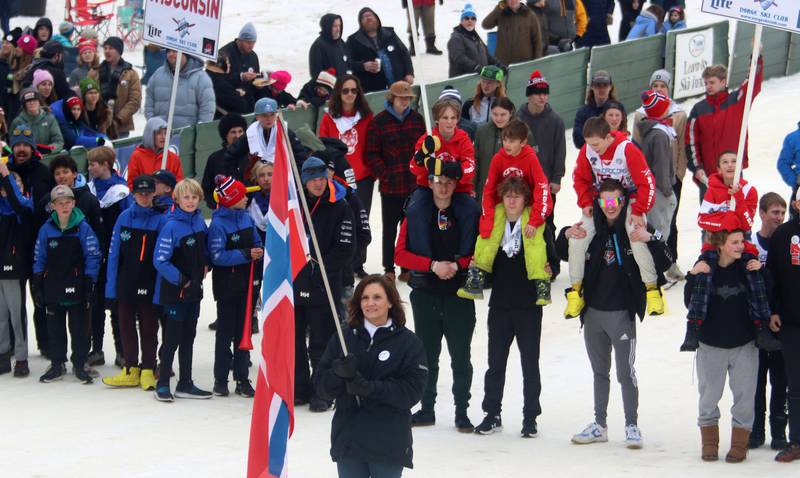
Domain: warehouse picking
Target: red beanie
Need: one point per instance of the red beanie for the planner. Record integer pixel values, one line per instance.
(655, 104)
(86, 45)
(229, 190)
(537, 84)
(73, 101)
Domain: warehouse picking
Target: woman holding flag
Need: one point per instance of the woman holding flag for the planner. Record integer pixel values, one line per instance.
(374, 385)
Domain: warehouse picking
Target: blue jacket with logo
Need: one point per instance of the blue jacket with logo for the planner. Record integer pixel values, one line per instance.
(180, 258)
(231, 235)
(789, 159)
(131, 275)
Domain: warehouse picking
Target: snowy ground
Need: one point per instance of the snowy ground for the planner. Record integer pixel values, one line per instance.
(66, 429)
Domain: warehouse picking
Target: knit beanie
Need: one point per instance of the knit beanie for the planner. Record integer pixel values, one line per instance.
(40, 76)
(73, 101)
(313, 168)
(66, 28)
(230, 121)
(115, 43)
(661, 75)
(248, 32)
(22, 134)
(86, 45)
(655, 104)
(468, 11)
(229, 190)
(327, 78)
(51, 49)
(88, 84)
(280, 79)
(27, 43)
(537, 84)
(450, 93)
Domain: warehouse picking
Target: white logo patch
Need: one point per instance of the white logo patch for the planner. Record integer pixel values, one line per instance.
(384, 356)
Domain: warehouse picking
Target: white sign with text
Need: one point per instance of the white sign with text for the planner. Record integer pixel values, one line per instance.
(191, 26)
(694, 51)
(782, 14)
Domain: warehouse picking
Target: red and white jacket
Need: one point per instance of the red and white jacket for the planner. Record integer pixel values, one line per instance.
(622, 161)
(351, 129)
(458, 148)
(525, 165)
(714, 211)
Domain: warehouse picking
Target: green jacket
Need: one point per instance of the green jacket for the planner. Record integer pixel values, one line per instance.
(534, 247)
(44, 126)
(488, 142)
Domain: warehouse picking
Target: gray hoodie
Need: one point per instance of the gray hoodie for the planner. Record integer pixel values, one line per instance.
(550, 142)
(656, 145)
(148, 136)
(195, 101)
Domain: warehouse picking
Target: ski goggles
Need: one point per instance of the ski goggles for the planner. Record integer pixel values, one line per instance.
(610, 203)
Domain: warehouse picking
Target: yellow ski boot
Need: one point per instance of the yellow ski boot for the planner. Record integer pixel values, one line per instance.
(575, 302)
(655, 301)
(128, 377)
(147, 380)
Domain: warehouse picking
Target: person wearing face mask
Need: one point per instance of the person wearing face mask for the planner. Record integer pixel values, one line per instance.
(601, 90)
(329, 49)
(466, 51)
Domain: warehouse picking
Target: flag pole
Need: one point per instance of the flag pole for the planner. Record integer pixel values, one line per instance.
(175, 77)
(419, 79)
(748, 99)
(313, 234)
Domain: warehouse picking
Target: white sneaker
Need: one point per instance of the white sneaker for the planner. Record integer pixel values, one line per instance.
(633, 437)
(593, 433)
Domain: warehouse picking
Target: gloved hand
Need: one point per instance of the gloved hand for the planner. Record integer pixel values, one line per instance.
(346, 367)
(690, 342)
(428, 149)
(90, 292)
(360, 386)
(37, 290)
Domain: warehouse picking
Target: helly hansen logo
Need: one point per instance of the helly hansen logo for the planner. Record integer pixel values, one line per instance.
(69, 290)
(305, 295)
(141, 291)
(8, 268)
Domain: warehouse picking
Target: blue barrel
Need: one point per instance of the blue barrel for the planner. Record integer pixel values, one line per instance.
(491, 42)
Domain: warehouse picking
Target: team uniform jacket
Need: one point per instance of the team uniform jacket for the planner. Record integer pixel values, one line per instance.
(622, 161)
(458, 148)
(231, 235)
(66, 258)
(16, 231)
(131, 276)
(713, 215)
(180, 258)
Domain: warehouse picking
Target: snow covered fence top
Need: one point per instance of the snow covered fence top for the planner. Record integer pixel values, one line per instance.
(191, 26)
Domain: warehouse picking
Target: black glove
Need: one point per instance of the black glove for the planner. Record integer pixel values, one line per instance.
(427, 150)
(690, 342)
(360, 386)
(90, 292)
(766, 340)
(37, 290)
(346, 367)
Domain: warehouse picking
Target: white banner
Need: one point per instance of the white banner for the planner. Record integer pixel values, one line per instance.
(693, 52)
(782, 14)
(191, 26)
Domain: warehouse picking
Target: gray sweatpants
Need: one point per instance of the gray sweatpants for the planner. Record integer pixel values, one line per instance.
(11, 312)
(660, 217)
(714, 364)
(603, 331)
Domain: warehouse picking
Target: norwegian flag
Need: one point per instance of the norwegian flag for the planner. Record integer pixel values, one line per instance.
(285, 254)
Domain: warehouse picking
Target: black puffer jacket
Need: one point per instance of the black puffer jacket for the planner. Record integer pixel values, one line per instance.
(467, 53)
(242, 63)
(362, 49)
(378, 429)
(326, 52)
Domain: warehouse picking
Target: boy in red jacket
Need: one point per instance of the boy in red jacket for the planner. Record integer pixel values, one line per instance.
(608, 155)
(716, 201)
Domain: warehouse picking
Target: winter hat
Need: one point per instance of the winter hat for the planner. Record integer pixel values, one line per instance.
(23, 134)
(87, 84)
(230, 121)
(229, 190)
(166, 177)
(450, 93)
(448, 168)
(280, 79)
(86, 45)
(266, 105)
(115, 43)
(661, 75)
(29, 94)
(468, 11)
(61, 191)
(248, 32)
(89, 33)
(27, 43)
(66, 28)
(51, 49)
(655, 104)
(313, 168)
(601, 77)
(537, 85)
(40, 76)
(14, 36)
(491, 72)
(144, 184)
(74, 101)
(327, 78)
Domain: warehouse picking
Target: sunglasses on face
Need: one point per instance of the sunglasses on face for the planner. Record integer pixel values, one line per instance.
(349, 91)
(470, 19)
(610, 203)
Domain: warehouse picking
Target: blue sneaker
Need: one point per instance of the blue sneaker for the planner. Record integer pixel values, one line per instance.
(593, 433)
(191, 391)
(163, 394)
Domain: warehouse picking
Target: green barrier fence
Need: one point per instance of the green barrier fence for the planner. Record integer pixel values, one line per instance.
(465, 84)
(566, 74)
(775, 51)
(720, 53)
(630, 64)
(793, 58)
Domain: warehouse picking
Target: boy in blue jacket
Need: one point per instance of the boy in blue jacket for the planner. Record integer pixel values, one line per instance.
(65, 270)
(130, 283)
(789, 159)
(16, 237)
(181, 261)
(235, 247)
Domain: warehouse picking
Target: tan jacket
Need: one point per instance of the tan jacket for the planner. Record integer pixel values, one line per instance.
(129, 99)
(679, 159)
(519, 37)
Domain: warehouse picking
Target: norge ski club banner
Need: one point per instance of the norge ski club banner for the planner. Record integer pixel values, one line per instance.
(191, 26)
(782, 14)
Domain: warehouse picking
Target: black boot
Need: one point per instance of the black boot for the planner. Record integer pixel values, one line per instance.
(767, 341)
(463, 424)
(411, 46)
(690, 342)
(423, 418)
(777, 428)
(430, 46)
